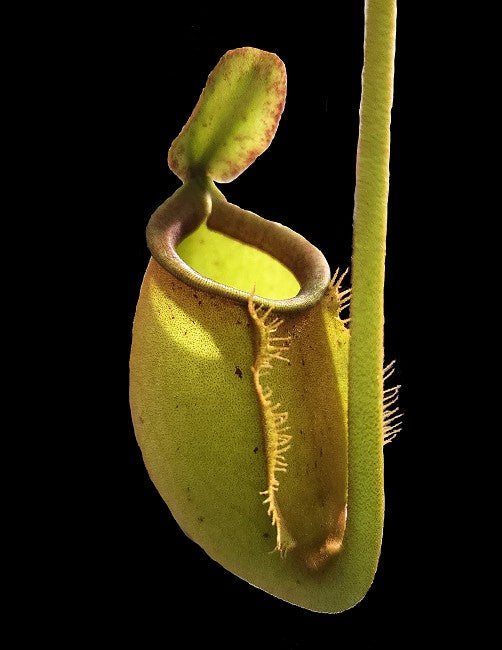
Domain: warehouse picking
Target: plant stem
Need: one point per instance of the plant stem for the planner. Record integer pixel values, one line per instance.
(366, 426)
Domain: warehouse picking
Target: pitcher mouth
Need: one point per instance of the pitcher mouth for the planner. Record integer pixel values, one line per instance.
(195, 203)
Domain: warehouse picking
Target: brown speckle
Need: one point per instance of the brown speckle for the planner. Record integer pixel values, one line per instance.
(255, 450)
(266, 535)
(238, 372)
(200, 519)
(303, 362)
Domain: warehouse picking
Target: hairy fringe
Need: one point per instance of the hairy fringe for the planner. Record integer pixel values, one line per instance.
(269, 348)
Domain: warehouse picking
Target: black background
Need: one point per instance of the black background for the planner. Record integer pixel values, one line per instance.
(121, 564)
